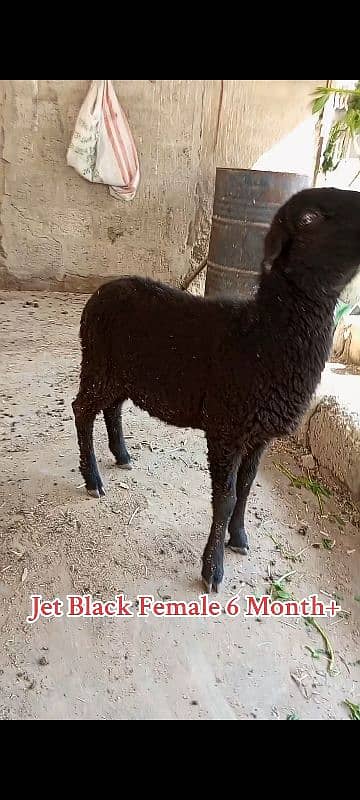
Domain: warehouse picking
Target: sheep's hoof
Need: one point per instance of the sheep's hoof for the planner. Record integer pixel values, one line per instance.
(212, 573)
(238, 542)
(124, 466)
(244, 551)
(211, 586)
(97, 493)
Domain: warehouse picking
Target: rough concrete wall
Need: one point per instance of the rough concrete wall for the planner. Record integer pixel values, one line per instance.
(58, 231)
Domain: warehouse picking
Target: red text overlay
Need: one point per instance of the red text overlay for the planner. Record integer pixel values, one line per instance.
(145, 606)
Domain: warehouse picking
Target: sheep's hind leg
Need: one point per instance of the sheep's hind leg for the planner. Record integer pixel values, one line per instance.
(112, 416)
(223, 468)
(238, 541)
(85, 413)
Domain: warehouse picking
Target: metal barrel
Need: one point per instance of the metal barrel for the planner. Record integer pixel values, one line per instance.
(245, 203)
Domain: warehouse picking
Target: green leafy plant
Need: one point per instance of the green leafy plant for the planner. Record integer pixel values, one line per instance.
(299, 481)
(328, 544)
(354, 710)
(278, 592)
(314, 653)
(345, 130)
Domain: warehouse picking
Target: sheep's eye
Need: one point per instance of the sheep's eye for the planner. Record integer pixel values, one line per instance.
(309, 217)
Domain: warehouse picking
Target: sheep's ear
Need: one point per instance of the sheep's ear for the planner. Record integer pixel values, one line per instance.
(275, 240)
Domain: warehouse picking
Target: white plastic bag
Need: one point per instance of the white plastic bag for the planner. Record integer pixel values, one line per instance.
(102, 148)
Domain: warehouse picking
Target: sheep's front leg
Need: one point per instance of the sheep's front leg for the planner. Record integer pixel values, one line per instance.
(223, 468)
(246, 475)
(85, 413)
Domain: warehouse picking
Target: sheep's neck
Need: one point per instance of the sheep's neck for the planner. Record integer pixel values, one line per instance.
(299, 325)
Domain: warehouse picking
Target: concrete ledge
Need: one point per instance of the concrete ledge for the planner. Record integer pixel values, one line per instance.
(331, 428)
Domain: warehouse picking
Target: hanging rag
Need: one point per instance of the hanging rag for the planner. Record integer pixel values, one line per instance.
(102, 149)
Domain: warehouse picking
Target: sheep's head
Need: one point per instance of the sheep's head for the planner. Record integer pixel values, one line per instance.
(315, 239)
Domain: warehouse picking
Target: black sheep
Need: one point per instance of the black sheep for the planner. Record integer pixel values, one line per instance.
(243, 372)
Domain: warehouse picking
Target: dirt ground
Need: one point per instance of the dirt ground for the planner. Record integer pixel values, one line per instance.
(147, 537)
